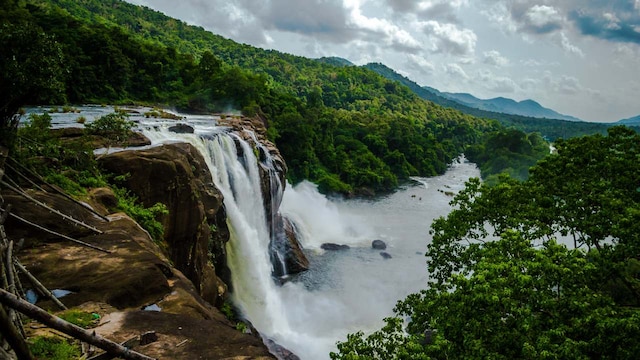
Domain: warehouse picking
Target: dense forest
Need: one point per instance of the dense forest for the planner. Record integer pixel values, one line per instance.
(344, 127)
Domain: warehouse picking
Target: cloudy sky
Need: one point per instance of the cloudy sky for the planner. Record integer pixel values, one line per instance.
(578, 57)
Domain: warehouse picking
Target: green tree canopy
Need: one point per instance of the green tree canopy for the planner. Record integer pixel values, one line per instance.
(501, 285)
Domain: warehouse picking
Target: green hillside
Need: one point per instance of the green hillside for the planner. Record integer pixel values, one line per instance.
(344, 127)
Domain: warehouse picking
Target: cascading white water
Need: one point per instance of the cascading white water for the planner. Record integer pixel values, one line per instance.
(343, 292)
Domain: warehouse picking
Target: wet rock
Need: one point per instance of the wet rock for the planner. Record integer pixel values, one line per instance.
(196, 223)
(295, 259)
(280, 351)
(378, 245)
(182, 129)
(334, 247)
(385, 255)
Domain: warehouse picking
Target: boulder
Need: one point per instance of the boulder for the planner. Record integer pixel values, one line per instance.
(115, 285)
(385, 255)
(334, 247)
(182, 129)
(286, 242)
(176, 175)
(378, 245)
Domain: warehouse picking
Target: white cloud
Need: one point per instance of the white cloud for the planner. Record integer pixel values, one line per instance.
(494, 58)
(456, 71)
(496, 83)
(543, 18)
(568, 47)
(381, 30)
(419, 64)
(450, 39)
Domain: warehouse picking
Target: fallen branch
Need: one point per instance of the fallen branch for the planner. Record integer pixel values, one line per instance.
(57, 189)
(77, 332)
(40, 203)
(13, 336)
(38, 285)
(58, 234)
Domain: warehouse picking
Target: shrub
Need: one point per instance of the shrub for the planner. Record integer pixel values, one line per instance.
(115, 126)
(146, 217)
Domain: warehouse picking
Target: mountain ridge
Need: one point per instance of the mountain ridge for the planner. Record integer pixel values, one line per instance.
(527, 107)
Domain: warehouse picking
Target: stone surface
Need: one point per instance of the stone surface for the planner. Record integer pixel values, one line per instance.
(116, 285)
(176, 175)
(334, 247)
(378, 245)
(287, 241)
(385, 255)
(182, 129)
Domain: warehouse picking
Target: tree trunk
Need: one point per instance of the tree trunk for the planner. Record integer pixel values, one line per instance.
(55, 322)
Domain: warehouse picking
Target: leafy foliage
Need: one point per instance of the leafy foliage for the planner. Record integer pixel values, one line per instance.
(508, 151)
(30, 65)
(115, 126)
(502, 287)
(345, 127)
(146, 217)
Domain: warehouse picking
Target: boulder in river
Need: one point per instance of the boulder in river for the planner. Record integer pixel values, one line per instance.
(182, 129)
(385, 255)
(378, 245)
(334, 247)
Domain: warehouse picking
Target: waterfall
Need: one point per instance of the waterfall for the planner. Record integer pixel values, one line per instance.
(235, 171)
(303, 321)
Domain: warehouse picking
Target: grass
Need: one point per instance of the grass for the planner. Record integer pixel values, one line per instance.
(53, 348)
(77, 317)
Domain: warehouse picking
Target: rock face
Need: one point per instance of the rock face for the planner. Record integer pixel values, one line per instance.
(334, 247)
(135, 273)
(287, 244)
(182, 129)
(378, 245)
(176, 175)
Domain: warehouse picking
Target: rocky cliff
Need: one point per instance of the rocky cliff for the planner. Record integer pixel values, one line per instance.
(185, 274)
(195, 226)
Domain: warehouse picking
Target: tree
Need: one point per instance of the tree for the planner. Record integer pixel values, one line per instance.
(502, 287)
(30, 67)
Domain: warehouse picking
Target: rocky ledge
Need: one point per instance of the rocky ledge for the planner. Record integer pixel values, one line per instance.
(185, 274)
(119, 284)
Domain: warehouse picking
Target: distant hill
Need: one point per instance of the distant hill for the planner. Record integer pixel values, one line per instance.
(508, 106)
(633, 121)
(335, 61)
(549, 128)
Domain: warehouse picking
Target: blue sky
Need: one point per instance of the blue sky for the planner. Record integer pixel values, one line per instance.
(578, 57)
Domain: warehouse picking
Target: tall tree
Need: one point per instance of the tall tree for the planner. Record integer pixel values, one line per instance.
(30, 66)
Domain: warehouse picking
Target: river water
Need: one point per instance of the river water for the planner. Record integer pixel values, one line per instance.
(347, 291)
(344, 291)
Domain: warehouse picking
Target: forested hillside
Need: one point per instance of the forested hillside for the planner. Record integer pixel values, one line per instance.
(344, 127)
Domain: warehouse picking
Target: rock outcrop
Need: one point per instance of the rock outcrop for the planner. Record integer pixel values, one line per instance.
(118, 284)
(378, 245)
(176, 175)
